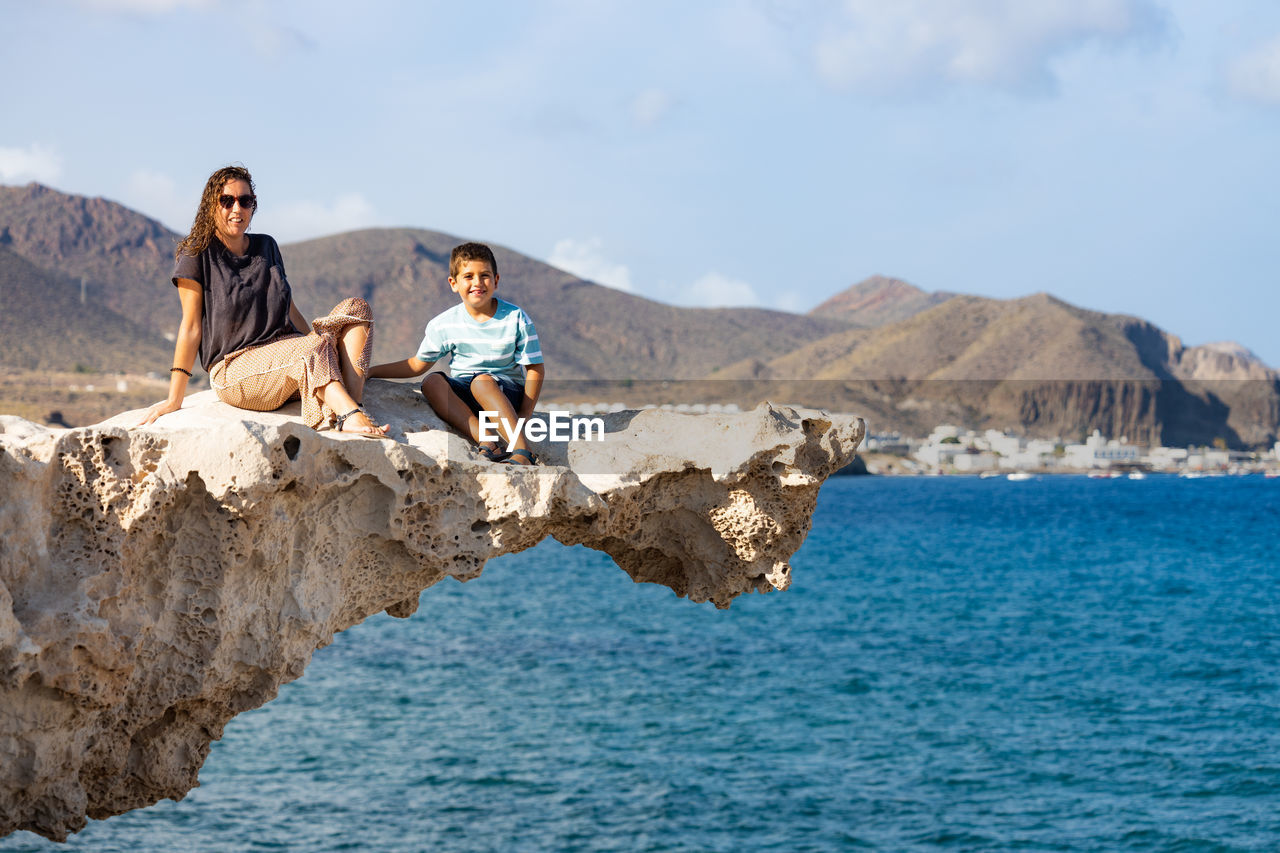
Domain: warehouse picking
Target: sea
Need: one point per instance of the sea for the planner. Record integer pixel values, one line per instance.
(960, 664)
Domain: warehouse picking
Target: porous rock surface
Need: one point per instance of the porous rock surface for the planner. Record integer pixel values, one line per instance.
(155, 582)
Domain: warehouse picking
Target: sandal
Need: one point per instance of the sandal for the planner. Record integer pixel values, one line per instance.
(492, 453)
(371, 431)
(527, 455)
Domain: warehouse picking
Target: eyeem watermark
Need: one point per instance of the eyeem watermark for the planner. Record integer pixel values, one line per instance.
(558, 427)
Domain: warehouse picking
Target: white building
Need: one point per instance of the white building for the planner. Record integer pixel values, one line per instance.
(1002, 443)
(938, 455)
(1035, 453)
(1098, 452)
(1167, 458)
(967, 463)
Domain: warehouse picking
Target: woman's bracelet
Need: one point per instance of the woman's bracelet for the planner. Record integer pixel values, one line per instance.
(181, 370)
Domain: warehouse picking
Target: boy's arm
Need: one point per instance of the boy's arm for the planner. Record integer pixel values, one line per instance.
(533, 376)
(412, 366)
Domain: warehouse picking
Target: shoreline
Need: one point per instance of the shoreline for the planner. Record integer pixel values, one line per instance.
(874, 464)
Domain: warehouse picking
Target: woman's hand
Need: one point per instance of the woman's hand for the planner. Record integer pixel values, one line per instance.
(164, 407)
(185, 350)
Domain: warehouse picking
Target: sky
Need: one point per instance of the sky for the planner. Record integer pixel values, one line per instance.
(1118, 154)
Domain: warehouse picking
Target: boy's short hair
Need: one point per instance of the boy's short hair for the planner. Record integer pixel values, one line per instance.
(471, 252)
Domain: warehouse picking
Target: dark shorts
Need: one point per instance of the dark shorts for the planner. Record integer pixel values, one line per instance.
(513, 391)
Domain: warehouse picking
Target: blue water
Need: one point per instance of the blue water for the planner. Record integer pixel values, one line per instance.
(960, 664)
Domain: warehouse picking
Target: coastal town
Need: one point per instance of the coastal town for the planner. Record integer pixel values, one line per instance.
(953, 450)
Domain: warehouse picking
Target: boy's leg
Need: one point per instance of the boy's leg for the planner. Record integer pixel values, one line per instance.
(449, 406)
(491, 397)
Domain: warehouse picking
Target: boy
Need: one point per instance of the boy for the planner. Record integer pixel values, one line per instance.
(489, 339)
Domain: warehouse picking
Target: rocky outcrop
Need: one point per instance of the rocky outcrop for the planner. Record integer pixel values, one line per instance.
(156, 582)
(1222, 361)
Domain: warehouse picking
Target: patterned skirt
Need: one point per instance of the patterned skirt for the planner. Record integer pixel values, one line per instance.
(265, 377)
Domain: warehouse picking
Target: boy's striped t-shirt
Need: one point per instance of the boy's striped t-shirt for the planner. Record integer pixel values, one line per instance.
(499, 345)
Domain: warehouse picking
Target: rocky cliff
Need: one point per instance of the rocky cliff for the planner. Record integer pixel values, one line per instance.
(156, 582)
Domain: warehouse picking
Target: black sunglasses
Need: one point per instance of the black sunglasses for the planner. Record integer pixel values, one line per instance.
(246, 201)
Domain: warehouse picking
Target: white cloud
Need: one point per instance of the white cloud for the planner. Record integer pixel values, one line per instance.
(33, 163)
(1255, 76)
(585, 259)
(912, 44)
(648, 107)
(715, 290)
(303, 220)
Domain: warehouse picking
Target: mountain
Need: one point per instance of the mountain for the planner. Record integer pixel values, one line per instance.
(972, 337)
(902, 357)
(879, 301)
(1051, 367)
(44, 326)
(123, 256)
(587, 331)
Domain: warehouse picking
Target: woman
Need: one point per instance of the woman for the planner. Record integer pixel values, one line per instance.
(238, 314)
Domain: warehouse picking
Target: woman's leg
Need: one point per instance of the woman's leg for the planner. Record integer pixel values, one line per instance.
(350, 328)
(353, 342)
(262, 378)
(266, 377)
(338, 399)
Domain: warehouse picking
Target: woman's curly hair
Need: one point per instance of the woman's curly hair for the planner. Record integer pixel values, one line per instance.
(202, 230)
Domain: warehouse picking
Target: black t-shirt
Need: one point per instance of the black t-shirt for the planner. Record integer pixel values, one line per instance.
(246, 297)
